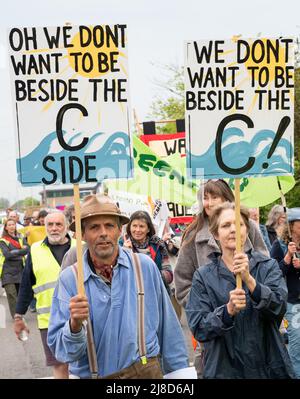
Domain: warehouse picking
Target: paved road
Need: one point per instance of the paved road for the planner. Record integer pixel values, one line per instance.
(26, 359)
(20, 359)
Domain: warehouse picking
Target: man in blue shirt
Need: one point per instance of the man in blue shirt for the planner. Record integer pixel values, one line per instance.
(111, 305)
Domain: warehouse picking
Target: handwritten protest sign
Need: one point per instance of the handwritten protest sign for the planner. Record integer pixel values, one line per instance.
(171, 147)
(130, 203)
(165, 144)
(71, 102)
(239, 107)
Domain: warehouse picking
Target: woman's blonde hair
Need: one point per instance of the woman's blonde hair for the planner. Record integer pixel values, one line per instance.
(216, 213)
(274, 215)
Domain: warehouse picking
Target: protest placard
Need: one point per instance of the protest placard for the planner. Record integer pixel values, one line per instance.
(165, 144)
(157, 178)
(34, 233)
(239, 110)
(129, 203)
(170, 147)
(71, 103)
(256, 192)
(240, 107)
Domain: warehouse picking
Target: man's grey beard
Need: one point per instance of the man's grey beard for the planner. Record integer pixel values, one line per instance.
(55, 241)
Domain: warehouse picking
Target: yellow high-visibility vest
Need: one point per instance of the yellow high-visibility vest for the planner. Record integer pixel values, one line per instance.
(46, 270)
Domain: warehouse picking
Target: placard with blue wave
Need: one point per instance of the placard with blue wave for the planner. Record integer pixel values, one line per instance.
(236, 154)
(112, 160)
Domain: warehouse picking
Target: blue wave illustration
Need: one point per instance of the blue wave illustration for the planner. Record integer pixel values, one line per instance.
(236, 155)
(112, 160)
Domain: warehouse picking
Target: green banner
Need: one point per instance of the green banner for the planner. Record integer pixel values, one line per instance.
(163, 179)
(261, 191)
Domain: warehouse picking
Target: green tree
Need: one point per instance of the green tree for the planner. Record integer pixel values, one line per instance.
(172, 107)
(4, 203)
(293, 196)
(26, 202)
(297, 112)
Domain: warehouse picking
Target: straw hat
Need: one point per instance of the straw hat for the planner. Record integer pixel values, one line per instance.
(103, 206)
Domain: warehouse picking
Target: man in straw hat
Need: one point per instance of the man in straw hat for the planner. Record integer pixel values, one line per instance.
(136, 333)
(40, 274)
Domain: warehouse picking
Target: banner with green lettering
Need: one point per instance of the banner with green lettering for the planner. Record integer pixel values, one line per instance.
(157, 178)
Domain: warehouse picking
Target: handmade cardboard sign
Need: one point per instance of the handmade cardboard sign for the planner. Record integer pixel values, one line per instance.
(165, 144)
(71, 103)
(239, 107)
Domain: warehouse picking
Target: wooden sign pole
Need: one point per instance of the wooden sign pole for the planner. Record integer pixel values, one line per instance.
(137, 124)
(80, 285)
(238, 225)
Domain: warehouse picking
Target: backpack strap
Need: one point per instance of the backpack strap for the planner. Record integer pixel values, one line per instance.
(141, 306)
(92, 355)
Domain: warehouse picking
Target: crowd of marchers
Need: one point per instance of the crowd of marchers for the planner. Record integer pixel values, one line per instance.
(126, 322)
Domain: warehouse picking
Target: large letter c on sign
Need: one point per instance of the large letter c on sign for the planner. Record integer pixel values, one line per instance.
(218, 145)
(59, 121)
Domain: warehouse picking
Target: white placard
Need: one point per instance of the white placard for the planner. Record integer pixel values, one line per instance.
(71, 102)
(240, 107)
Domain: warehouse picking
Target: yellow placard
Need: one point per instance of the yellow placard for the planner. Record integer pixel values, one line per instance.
(34, 233)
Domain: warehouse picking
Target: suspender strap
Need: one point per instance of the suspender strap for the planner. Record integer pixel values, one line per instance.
(141, 308)
(92, 356)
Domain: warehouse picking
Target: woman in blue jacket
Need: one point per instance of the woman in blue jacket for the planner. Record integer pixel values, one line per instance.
(286, 250)
(239, 327)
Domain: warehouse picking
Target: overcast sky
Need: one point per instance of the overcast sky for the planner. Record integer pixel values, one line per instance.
(156, 33)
